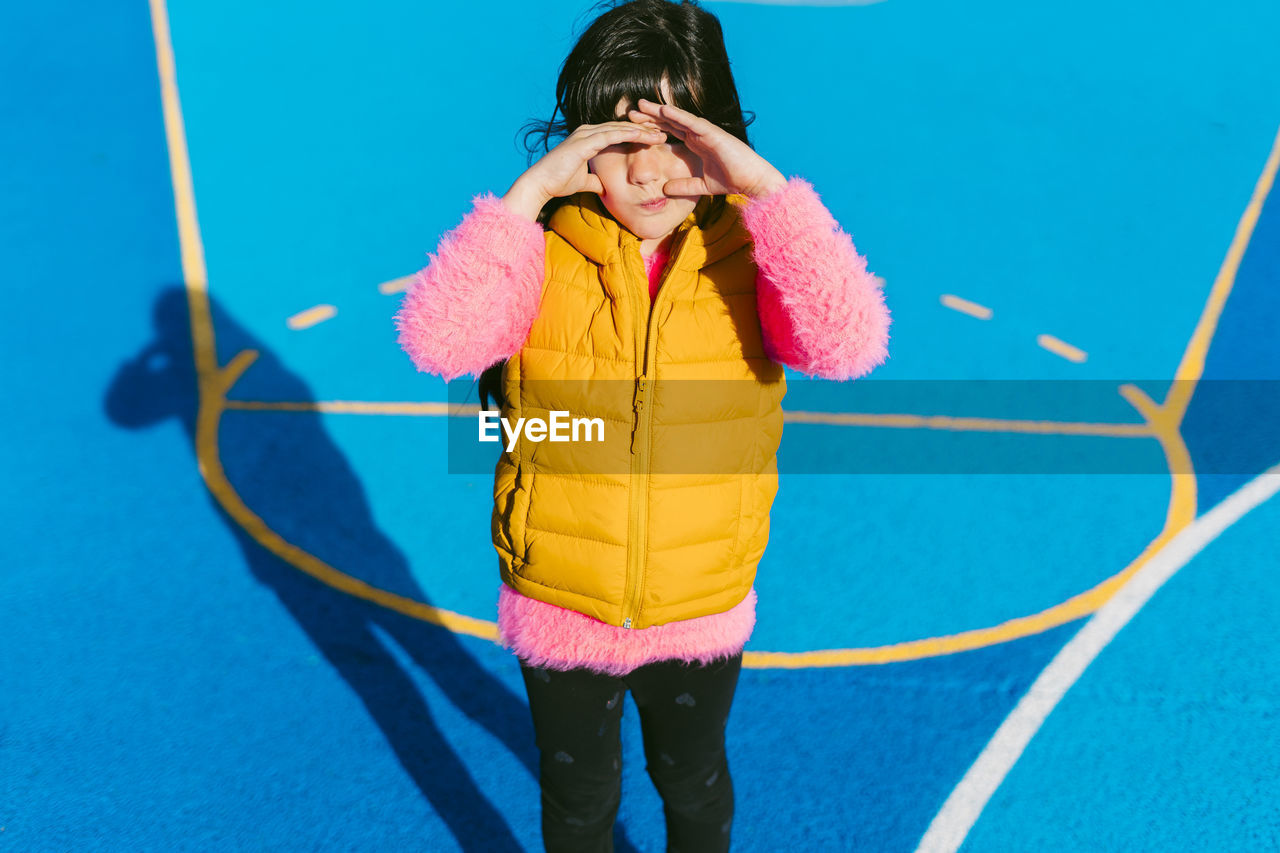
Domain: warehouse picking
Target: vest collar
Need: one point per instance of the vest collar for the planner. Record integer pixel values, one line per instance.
(584, 222)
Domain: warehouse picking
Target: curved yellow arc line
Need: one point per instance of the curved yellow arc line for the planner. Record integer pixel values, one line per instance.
(212, 398)
(213, 384)
(1181, 512)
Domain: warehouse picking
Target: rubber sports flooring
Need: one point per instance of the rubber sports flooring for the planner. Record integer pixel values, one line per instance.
(1021, 582)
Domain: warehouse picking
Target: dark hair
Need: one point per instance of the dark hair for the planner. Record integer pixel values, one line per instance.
(626, 53)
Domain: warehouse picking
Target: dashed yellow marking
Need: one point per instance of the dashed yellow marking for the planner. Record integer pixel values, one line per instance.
(964, 306)
(311, 317)
(396, 285)
(1062, 348)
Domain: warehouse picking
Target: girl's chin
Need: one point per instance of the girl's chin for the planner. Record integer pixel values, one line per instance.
(650, 233)
(654, 226)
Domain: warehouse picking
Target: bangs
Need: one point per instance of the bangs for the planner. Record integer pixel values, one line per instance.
(595, 99)
(626, 53)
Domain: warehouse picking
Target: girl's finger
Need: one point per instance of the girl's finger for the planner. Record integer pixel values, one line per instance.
(592, 184)
(624, 128)
(647, 120)
(650, 110)
(638, 117)
(675, 115)
(620, 124)
(686, 187)
(586, 131)
(597, 142)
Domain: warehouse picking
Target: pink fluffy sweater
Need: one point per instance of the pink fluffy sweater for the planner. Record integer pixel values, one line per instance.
(821, 312)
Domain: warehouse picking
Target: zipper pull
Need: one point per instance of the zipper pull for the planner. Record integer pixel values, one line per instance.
(626, 623)
(638, 407)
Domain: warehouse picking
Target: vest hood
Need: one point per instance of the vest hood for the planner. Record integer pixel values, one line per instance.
(585, 223)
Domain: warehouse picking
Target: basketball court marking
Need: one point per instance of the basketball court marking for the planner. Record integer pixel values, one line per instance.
(1062, 348)
(964, 306)
(960, 812)
(1163, 421)
(969, 798)
(313, 316)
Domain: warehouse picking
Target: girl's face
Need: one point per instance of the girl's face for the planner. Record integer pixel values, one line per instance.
(633, 175)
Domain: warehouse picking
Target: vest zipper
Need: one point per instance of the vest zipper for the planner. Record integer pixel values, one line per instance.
(638, 408)
(638, 531)
(639, 515)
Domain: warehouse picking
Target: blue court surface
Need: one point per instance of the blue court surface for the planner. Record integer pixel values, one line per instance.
(1021, 583)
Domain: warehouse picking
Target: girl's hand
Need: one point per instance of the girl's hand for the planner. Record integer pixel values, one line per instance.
(563, 170)
(729, 165)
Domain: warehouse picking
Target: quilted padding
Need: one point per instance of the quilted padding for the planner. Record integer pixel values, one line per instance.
(667, 518)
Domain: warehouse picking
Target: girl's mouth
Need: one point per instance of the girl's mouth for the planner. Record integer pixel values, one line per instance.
(655, 205)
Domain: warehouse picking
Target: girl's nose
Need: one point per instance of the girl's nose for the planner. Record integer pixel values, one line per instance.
(643, 166)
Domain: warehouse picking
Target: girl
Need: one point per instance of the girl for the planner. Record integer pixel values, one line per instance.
(652, 244)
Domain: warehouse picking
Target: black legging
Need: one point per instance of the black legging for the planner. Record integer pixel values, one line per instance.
(577, 718)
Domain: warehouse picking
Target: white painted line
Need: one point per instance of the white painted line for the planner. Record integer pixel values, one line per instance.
(964, 306)
(961, 810)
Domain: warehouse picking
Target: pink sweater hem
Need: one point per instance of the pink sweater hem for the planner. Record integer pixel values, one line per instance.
(551, 637)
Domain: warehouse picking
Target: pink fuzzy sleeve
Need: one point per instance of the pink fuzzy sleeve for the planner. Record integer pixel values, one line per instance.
(821, 312)
(474, 303)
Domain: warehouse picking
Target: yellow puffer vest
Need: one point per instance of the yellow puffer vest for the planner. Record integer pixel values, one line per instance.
(668, 517)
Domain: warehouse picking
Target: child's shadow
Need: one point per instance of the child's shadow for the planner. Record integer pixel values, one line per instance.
(290, 472)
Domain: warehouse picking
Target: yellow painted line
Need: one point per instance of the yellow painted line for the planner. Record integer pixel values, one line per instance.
(311, 317)
(934, 422)
(1181, 512)
(214, 382)
(1191, 368)
(964, 306)
(354, 407)
(215, 478)
(1182, 499)
(184, 196)
(398, 285)
(955, 424)
(1062, 348)
(967, 801)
